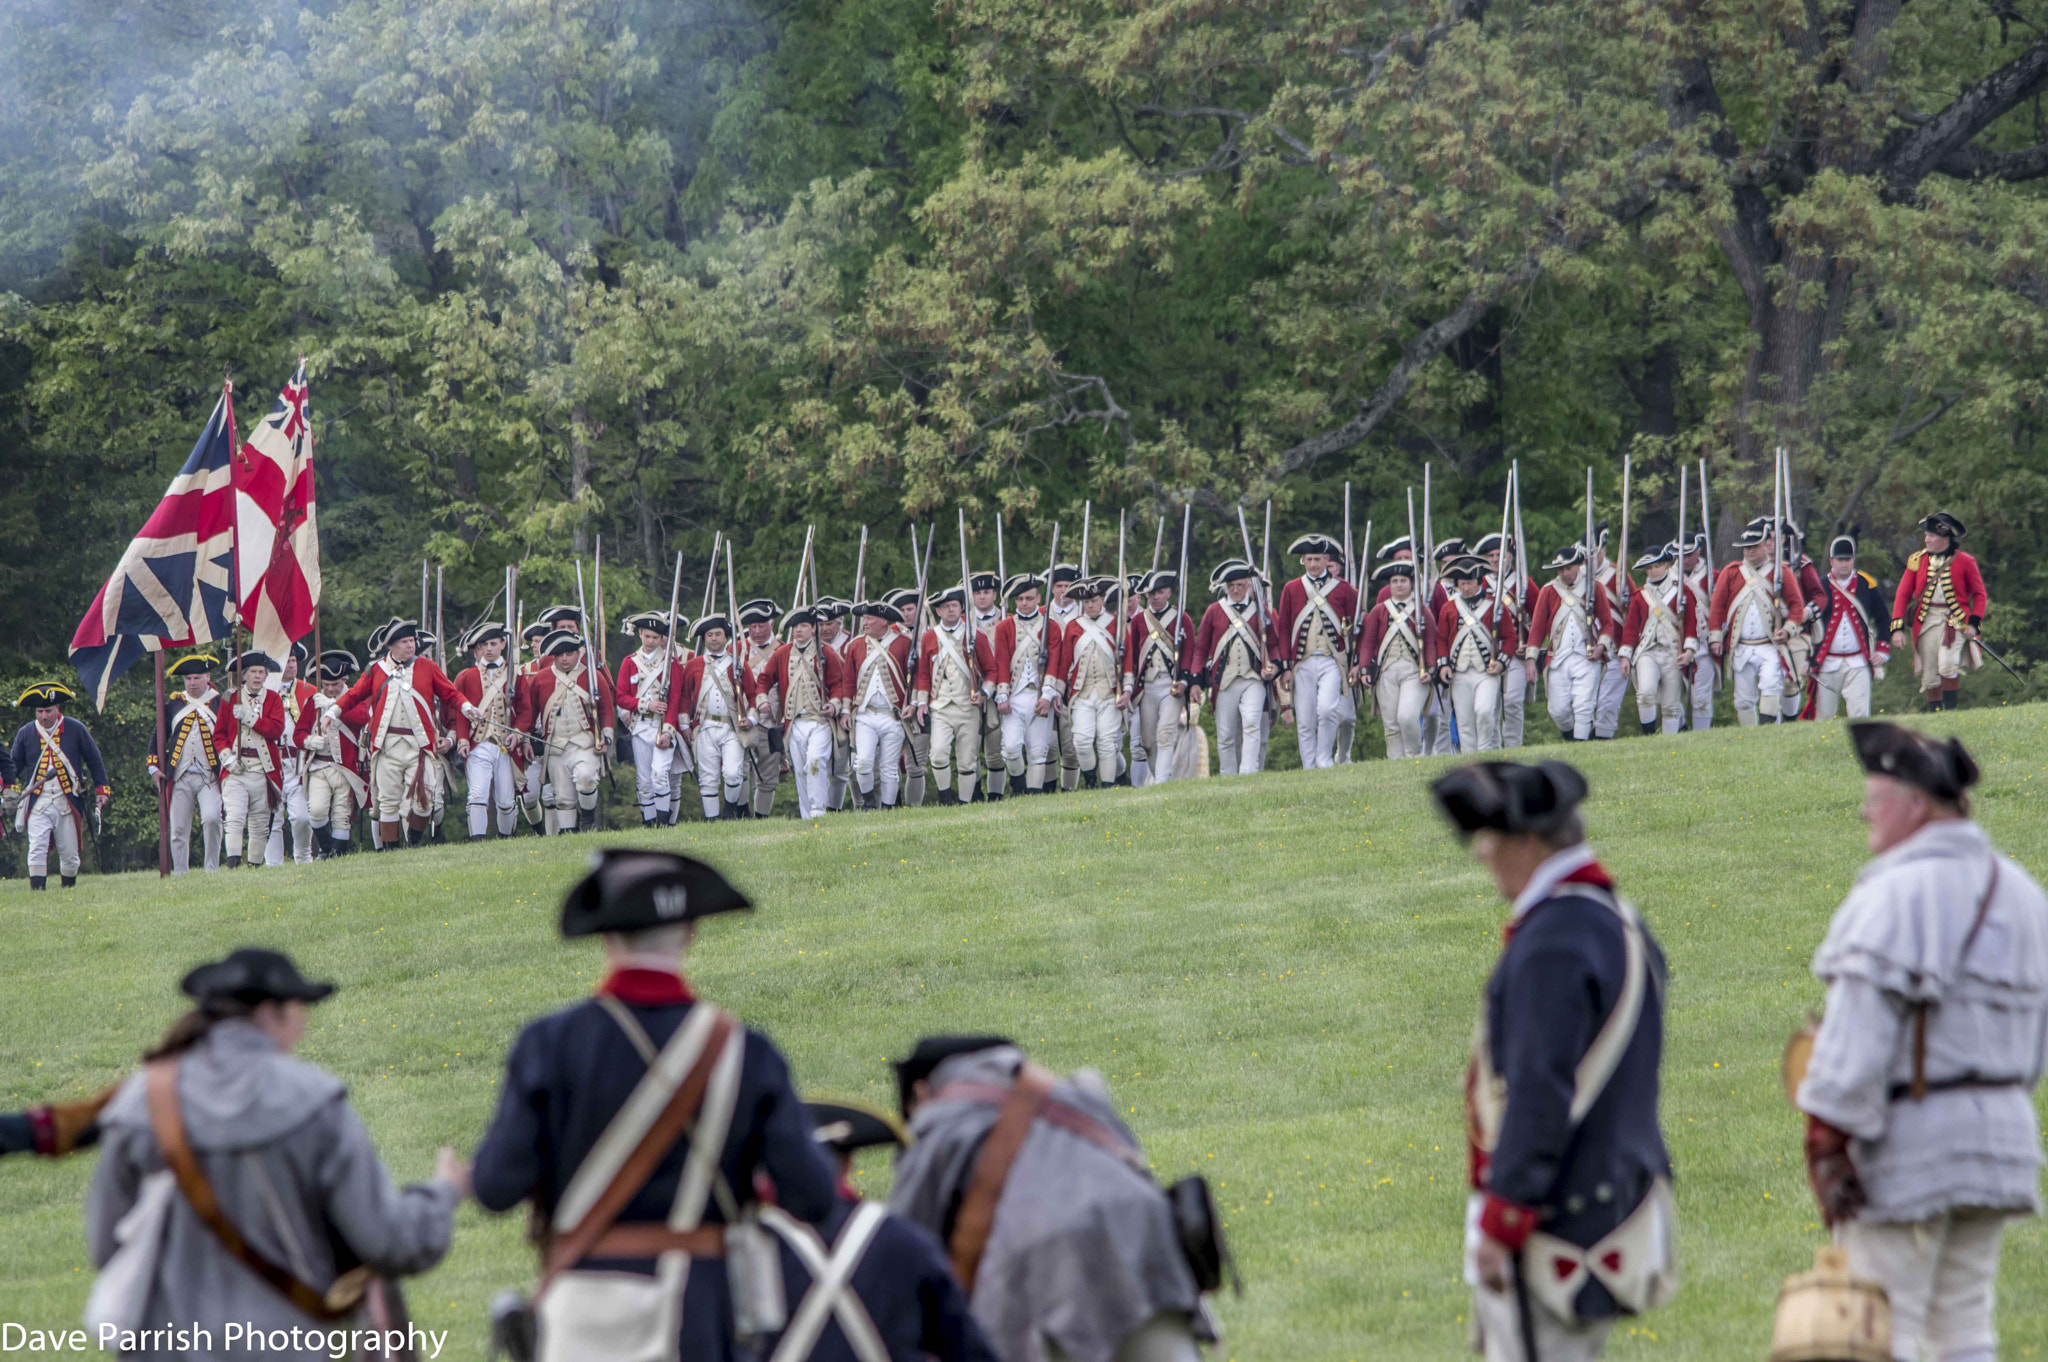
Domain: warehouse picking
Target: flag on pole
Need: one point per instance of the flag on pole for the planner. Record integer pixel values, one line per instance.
(171, 587)
(277, 542)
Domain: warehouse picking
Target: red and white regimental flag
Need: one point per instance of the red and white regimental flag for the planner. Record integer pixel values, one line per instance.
(277, 541)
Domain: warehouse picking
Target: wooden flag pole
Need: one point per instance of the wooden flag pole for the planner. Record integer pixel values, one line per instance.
(167, 775)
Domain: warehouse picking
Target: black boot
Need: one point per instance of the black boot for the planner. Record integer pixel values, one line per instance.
(586, 819)
(1090, 780)
(1951, 698)
(68, 881)
(1649, 725)
(39, 881)
(476, 837)
(340, 846)
(234, 863)
(735, 808)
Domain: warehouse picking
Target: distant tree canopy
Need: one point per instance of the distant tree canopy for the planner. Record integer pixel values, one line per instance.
(646, 270)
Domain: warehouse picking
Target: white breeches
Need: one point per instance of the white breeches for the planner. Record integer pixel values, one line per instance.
(1401, 693)
(573, 772)
(245, 813)
(1241, 727)
(1158, 728)
(51, 819)
(1613, 683)
(1759, 676)
(1498, 1325)
(878, 752)
(1942, 1278)
(809, 745)
(1660, 687)
(956, 746)
(1027, 738)
(1706, 675)
(392, 772)
(1474, 698)
(721, 765)
(1098, 734)
(1517, 682)
(297, 813)
(330, 801)
(194, 792)
(1318, 689)
(653, 776)
(1573, 693)
(1844, 687)
(1937, 661)
(493, 782)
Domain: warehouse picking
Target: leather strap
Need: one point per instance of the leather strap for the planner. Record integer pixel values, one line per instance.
(977, 1216)
(160, 1085)
(1056, 1113)
(571, 1248)
(1918, 1089)
(653, 1240)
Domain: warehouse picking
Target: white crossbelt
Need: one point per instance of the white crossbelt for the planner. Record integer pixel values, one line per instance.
(831, 1289)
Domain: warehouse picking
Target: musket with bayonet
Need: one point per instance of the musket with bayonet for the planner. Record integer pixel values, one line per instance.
(1265, 615)
(599, 732)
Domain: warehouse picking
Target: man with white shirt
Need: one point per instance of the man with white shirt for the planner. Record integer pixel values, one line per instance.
(711, 706)
(572, 727)
(1609, 579)
(642, 688)
(1753, 610)
(489, 747)
(879, 662)
(1853, 647)
(1060, 611)
(1658, 640)
(767, 763)
(1022, 643)
(1575, 628)
(955, 674)
(1395, 642)
(405, 694)
(251, 762)
(1232, 660)
(193, 766)
(1088, 675)
(814, 687)
(1312, 643)
(330, 742)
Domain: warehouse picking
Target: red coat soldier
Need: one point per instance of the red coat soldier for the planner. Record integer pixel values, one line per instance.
(1940, 603)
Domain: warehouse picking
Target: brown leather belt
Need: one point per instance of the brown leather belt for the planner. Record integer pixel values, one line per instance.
(1968, 1082)
(394, 728)
(653, 1240)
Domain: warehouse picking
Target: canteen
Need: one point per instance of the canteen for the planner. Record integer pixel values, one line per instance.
(1827, 1315)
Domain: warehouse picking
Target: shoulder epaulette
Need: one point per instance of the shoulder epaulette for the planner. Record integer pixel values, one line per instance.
(1913, 562)
(1868, 580)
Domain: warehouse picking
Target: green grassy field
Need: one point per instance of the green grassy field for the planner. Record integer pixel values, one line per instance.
(1278, 977)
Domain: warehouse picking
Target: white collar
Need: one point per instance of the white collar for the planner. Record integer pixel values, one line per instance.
(1549, 875)
(52, 732)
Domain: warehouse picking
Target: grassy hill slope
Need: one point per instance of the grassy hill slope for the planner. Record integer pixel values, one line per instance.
(1278, 977)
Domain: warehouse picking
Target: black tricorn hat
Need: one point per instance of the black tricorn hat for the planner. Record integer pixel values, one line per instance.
(1392, 547)
(710, 622)
(338, 664)
(654, 621)
(558, 614)
(803, 614)
(253, 975)
(1508, 796)
(1387, 572)
(1944, 524)
(630, 891)
(1941, 768)
(481, 633)
(1065, 572)
(397, 628)
(831, 608)
(760, 610)
(929, 1054)
(1571, 555)
(846, 1127)
(535, 630)
(880, 610)
(1465, 568)
(252, 658)
(986, 581)
(560, 641)
(1316, 543)
(45, 693)
(195, 664)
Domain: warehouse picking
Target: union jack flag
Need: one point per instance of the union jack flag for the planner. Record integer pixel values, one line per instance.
(277, 541)
(171, 588)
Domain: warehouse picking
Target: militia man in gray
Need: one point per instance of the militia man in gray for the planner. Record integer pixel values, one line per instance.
(1921, 1137)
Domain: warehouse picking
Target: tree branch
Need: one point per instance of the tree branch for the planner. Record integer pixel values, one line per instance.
(1972, 162)
(1911, 155)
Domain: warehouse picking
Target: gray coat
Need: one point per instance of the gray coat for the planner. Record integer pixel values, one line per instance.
(1894, 943)
(1083, 1252)
(294, 1171)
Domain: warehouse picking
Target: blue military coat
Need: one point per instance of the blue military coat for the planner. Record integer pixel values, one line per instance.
(906, 1284)
(568, 1075)
(74, 740)
(1558, 978)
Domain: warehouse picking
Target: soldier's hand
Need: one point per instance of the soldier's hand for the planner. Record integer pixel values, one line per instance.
(1969, 631)
(1496, 1264)
(462, 748)
(665, 741)
(1178, 688)
(1287, 715)
(1123, 701)
(1493, 667)
(1899, 639)
(1002, 706)
(451, 1168)
(1044, 706)
(1268, 672)
(1715, 649)
(156, 778)
(102, 799)
(1778, 635)
(923, 713)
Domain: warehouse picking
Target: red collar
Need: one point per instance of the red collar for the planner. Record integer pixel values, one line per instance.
(1592, 872)
(646, 987)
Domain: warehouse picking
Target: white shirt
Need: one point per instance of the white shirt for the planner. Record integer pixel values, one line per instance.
(710, 698)
(1844, 643)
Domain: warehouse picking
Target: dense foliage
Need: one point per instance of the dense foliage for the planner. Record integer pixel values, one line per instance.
(566, 269)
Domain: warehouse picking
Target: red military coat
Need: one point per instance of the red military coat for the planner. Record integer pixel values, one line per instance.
(1966, 588)
(1290, 617)
(683, 708)
(1728, 586)
(1067, 652)
(1551, 599)
(539, 692)
(1638, 619)
(1003, 647)
(1503, 641)
(1205, 656)
(470, 686)
(1372, 634)
(432, 690)
(892, 661)
(269, 726)
(1138, 642)
(835, 683)
(632, 680)
(981, 662)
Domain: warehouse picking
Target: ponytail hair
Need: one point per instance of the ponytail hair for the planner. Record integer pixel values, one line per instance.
(191, 1028)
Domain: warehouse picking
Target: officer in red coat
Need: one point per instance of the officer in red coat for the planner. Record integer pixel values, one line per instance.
(251, 760)
(1939, 605)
